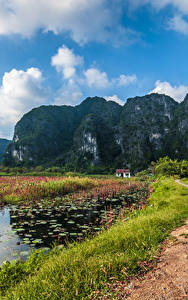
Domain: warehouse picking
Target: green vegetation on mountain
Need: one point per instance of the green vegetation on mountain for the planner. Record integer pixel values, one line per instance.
(3, 146)
(102, 134)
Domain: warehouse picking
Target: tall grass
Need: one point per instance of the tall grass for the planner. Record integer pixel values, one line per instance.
(33, 189)
(115, 253)
(17, 189)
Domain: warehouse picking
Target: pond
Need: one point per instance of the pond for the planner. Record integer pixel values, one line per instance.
(11, 245)
(26, 227)
(23, 228)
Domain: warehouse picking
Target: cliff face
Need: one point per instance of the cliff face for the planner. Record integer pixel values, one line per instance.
(144, 127)
(178, 137)
(98, 132)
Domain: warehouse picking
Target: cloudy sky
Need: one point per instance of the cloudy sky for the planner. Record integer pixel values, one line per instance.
(62, 51)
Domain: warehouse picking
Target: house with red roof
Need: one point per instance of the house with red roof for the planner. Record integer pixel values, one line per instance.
(125, 173)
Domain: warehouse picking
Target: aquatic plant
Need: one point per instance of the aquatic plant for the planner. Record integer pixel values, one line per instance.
(31, 189)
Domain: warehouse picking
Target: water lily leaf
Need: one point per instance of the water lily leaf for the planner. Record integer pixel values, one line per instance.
(71, 222)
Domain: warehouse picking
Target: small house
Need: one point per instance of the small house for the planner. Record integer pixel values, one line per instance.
(125, 173)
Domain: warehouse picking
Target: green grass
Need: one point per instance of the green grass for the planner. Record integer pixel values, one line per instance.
(7, 174)
(82, 268)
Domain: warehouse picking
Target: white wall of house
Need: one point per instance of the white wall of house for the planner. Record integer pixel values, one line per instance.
(118, 174)
(125, 175)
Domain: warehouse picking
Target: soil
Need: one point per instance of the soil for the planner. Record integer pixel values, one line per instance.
(168, 280)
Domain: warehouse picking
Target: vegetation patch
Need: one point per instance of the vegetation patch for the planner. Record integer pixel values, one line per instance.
(66, 219)
(79, 270)
(31, 189)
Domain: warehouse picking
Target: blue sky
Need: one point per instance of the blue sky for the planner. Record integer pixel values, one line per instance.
(62, 51)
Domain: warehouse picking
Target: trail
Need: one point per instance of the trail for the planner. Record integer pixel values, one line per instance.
(168, 280)
(179, 182)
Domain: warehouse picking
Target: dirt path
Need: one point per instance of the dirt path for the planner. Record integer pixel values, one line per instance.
(169, 279)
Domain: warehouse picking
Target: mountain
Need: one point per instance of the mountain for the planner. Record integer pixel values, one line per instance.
(178, 135)
(3, 146)
(100, 132)
(144, 128)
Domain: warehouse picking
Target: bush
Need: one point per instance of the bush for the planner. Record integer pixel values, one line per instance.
(168, 167)
(39, 168)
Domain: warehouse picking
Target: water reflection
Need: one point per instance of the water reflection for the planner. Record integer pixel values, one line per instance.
(10, 243)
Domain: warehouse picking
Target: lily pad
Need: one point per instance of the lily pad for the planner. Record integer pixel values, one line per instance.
(71, 222)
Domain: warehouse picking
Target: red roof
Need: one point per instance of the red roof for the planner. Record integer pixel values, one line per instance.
(122, 171)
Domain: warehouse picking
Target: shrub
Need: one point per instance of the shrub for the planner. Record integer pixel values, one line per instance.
(168, 167)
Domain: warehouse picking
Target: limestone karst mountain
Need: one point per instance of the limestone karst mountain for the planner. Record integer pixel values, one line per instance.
(100, 132)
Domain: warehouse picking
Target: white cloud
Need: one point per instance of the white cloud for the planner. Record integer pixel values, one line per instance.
(115, 98)
(65, 61)
(125, 80)
(176, 92)
(69, 94)
(96, 78)
(20, 91)
(84, 20)
(177, 23)
(181, 5)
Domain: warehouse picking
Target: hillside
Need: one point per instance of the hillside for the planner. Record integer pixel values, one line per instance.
(3, 145)
(100, 132)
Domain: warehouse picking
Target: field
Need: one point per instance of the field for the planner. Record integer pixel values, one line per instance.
(29, 190)
(83, 270)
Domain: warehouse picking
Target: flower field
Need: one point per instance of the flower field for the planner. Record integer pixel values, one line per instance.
(31, 190)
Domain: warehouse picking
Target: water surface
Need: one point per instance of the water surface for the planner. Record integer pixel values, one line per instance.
(23, 229)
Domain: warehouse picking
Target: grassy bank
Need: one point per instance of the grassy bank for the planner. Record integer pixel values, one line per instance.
(77, 271)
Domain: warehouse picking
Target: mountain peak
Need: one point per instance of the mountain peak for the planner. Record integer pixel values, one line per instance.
(98, 131)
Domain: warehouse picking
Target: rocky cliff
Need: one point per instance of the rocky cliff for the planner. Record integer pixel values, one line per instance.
(100, 132)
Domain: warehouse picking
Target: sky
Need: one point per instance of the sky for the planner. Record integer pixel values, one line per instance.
(60, 52)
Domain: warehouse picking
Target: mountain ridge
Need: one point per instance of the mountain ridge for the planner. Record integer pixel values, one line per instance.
(100, 132)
